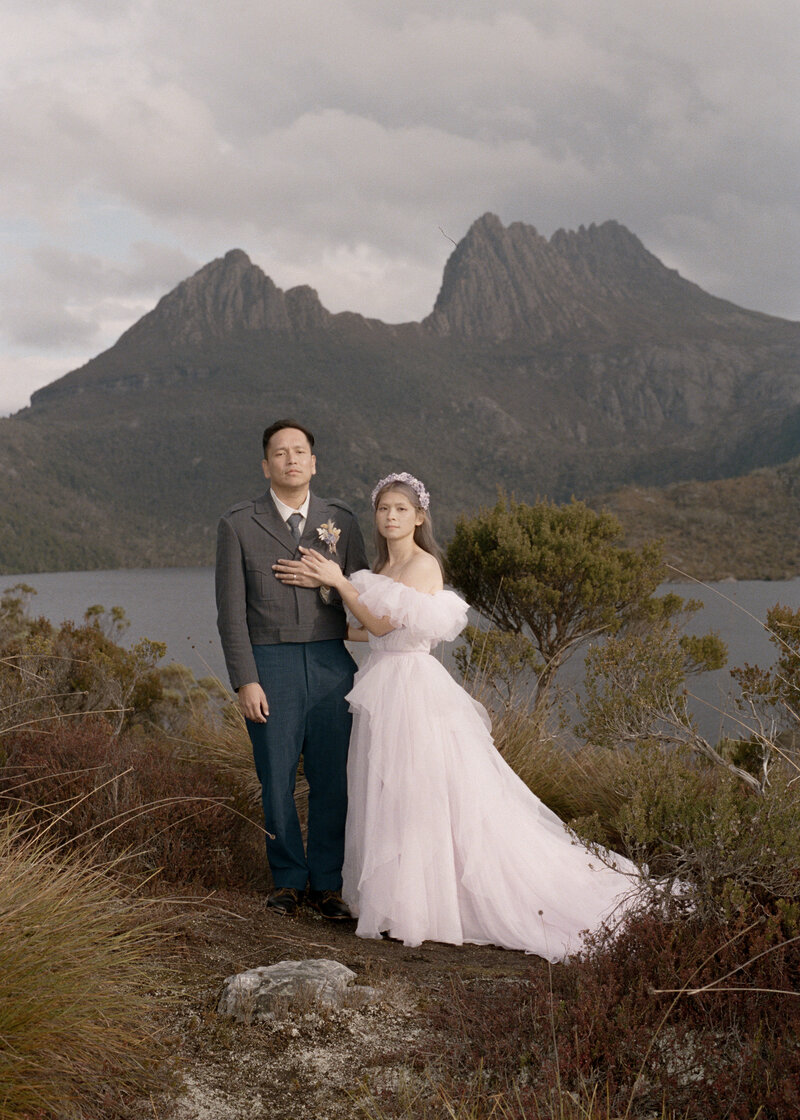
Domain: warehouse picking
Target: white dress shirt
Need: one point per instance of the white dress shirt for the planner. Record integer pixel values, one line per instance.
(287, 511)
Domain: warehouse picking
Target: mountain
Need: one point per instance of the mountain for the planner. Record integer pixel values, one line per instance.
(597, 285)
(574, 365)
(741, 528)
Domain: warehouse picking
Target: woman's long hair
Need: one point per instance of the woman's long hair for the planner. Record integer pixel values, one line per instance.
(423, 534)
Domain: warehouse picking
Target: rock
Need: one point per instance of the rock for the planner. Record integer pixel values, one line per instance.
(304, 309)
(264, 992)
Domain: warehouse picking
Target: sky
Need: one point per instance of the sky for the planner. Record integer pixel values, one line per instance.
(346, 144)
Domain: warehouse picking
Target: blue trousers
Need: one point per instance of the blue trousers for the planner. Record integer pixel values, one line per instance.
(305, 685)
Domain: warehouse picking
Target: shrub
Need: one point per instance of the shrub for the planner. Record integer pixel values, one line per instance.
(126, 784)
(47, 672)
(131, 793)
(770, 702)
(716, 843)
(611, 1026)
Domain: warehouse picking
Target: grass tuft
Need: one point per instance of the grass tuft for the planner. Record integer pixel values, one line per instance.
(76, 1032)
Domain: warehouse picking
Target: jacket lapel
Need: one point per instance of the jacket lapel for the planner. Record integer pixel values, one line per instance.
(317, 513)
(266, 515)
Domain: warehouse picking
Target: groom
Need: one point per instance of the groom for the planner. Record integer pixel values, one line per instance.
(284, 649)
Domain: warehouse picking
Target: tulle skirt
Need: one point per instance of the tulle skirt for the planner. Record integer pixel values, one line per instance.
(444, 842)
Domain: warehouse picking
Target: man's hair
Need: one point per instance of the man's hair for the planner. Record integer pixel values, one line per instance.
(279, 425)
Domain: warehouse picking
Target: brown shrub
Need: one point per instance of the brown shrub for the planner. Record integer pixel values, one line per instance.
(609, 1025)
(131, 793)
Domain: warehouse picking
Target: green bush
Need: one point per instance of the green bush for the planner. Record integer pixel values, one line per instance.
(704, 834)
(554, 575)
(771, 697)
(47, 672)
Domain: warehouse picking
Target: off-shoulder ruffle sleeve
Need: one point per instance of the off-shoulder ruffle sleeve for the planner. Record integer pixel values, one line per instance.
(438, 618)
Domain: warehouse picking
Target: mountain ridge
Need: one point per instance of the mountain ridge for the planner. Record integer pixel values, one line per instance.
(574, 365)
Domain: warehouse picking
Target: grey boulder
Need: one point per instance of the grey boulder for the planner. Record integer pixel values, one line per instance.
(267, 991)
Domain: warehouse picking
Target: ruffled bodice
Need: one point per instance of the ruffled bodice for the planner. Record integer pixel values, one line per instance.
(422, 620)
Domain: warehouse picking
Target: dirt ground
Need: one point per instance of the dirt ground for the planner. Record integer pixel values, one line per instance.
(314, 1063)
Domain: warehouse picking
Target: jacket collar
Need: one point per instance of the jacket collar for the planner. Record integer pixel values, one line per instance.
(267, 516)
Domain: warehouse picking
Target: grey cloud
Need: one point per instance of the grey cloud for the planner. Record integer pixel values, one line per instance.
(630, 111)
(149, 268)
(57, 298)
(48, 328)
(331, 141)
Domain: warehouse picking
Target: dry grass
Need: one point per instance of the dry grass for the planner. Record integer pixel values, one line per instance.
(221, 741)
(75, 1018)
(571, 783)
(430, 1101)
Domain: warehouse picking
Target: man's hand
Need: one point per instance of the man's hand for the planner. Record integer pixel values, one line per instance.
(253, 703)
(295, 573)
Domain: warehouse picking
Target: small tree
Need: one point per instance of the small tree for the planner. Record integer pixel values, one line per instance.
(773, 695)
(770, 698)
(635, 690)
(553, 577)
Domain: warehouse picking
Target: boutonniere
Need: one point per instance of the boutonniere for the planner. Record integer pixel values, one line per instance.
(329, 534)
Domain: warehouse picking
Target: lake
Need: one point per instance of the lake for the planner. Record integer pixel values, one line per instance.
(176, 606)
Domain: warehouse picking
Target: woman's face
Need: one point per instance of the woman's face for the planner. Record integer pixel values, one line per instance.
(396, 516)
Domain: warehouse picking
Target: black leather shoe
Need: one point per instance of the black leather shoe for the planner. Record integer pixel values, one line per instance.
(285, 900)
(329, 904)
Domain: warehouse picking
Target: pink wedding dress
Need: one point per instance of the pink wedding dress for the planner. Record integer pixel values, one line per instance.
(444, 842)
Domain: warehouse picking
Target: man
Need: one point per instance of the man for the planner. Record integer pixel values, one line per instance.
(284, 649)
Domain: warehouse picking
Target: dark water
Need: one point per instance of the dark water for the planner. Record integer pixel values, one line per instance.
(176, 606)
(172, 605)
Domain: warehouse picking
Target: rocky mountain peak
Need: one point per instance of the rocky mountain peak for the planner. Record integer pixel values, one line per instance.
(237, 258)
(592, 283)
(305, 310)
(225, 296)
(498, 281)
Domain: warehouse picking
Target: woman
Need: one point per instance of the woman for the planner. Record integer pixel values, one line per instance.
(444, 841)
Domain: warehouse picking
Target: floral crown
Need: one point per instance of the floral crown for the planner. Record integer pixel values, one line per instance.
(415, 484)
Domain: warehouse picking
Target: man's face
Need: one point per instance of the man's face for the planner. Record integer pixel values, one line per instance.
(290, 463)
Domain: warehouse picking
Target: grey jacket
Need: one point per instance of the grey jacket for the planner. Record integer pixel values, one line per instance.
(255, 608)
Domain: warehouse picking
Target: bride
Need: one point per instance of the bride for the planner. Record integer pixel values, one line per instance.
(444, 842)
